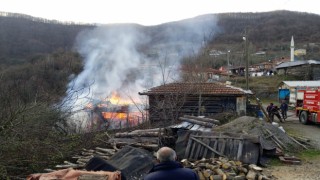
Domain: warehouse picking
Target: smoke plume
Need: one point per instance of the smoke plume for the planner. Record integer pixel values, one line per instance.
(128, 59)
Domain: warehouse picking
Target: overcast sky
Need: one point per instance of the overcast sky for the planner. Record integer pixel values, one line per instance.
(145, 12)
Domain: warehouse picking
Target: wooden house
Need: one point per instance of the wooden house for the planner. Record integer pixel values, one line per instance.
(170, 101)
(308, 70)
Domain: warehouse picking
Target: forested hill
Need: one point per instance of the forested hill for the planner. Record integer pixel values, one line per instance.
(22, 35)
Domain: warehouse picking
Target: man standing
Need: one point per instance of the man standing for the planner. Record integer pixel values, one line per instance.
(168, 168)
(269, 109)
(284, 109)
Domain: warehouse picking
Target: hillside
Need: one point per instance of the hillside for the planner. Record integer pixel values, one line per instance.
(22, 35)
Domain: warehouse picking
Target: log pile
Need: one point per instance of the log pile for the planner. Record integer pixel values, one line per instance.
(148, 139)
(222, 169)
(84, 156)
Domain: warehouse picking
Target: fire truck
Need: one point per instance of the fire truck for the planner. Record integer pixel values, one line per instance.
(308, 106)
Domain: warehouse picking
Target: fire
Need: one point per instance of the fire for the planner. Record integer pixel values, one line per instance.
(115, 115)
(114, 112)
(116, 99)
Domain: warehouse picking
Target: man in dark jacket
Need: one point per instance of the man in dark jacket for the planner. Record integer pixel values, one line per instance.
(168, 168)
(269, 108)
(284, 109)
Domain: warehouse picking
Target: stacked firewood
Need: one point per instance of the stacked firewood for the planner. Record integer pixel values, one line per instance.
(149, 139)
(84, 156)
(222, 169)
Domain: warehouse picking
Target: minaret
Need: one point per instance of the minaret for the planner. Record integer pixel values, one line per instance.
(292, 50)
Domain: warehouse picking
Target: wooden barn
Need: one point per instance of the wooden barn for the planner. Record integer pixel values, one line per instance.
(170, 101)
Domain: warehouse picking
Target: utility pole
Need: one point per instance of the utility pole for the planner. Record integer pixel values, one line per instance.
(245, 38)
(228, 59)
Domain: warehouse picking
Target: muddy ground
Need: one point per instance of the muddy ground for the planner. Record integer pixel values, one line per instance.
(310, 167)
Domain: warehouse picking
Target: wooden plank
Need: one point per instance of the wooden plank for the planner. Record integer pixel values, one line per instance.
(223, 146)
(207, 141)
(210, 148)
(220, 137)
(213, 121)
(201, 150)
(235, 148)
(240, 147)
(215, 146)
(196, 156)
(194, 144)
(186, 154)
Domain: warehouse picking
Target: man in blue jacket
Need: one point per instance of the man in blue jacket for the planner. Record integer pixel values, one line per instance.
(168, 168)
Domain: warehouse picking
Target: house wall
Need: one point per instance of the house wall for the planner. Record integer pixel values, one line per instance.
(307, 72)
(171, 107)
(241, 105)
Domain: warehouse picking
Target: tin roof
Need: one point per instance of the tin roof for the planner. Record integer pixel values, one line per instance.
(302, 83)
(212, 88)
(296, 63)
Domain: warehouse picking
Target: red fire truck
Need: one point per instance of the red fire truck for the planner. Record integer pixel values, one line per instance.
(308, 106)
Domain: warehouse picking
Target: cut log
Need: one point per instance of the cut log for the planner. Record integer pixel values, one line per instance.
(68, 166)
(209, 120)
(276, 140)
(148, 130)
(298, 142)
(152, 147)
(108, 151)
(262, 108)
(221, 173)
(251, 175)
(93, 177)
(144, 134)
(143, 140)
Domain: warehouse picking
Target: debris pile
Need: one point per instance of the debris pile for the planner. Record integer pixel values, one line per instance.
(271, 136)
(229, 151)
(84, 156)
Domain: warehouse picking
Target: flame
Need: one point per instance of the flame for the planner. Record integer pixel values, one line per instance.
(114, 115)
(114, 112)
(116, 99)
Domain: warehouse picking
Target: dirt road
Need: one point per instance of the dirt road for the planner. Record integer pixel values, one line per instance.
(310, 168)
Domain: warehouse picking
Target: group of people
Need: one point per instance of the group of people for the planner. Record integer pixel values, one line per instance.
(274, 110)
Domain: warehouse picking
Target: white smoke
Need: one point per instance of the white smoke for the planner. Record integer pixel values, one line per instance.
(128, 59)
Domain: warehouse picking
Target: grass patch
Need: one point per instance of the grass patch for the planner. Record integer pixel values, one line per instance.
(310, 154)
(275, 162)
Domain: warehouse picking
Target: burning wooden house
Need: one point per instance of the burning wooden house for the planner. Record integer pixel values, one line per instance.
(170, 101)
(112, 113)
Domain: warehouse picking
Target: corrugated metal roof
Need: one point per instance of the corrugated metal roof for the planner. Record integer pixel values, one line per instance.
(191, 126)
(302, 83)
(296, 63)
(212, 88)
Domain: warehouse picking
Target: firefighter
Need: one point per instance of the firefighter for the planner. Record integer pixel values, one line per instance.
(284, 109)
(269, 108)
(275, 112)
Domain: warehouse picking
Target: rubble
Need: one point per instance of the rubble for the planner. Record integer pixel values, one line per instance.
(271, 137)
(229, 151)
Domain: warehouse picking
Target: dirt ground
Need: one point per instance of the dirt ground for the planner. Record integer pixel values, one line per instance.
(310, 168)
